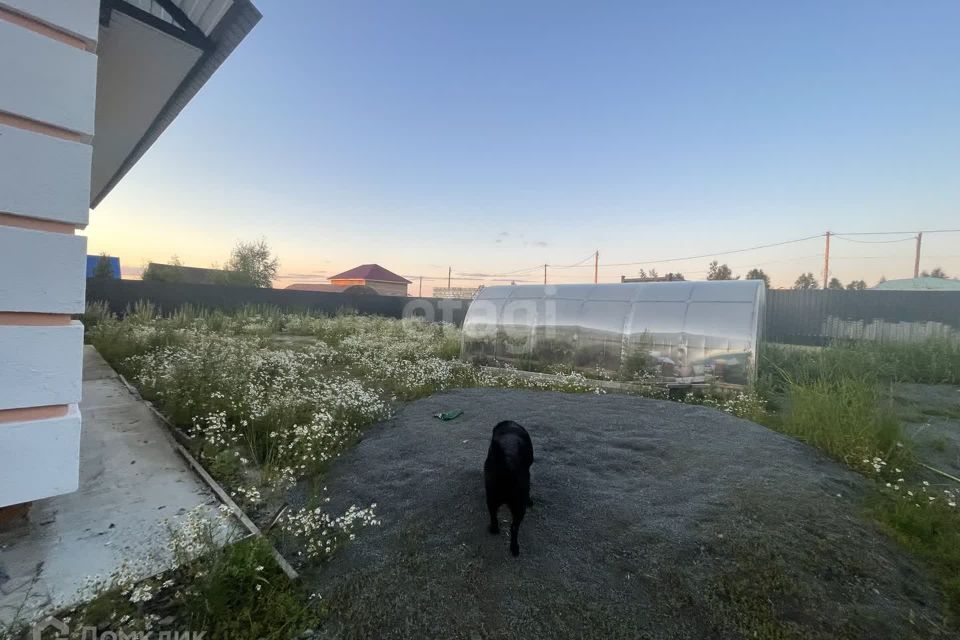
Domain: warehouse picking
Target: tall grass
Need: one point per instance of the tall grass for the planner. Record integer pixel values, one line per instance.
(933, 361)
(851, 419)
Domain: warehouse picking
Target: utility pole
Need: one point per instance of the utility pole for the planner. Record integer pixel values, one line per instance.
(916, 261)
(596, 265)
(826, 262)
(544, 274)
(449, 275)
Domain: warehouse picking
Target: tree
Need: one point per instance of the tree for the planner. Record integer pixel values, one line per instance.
(153, 274)
(719, 272)
(856, 285)
(758, 274)
(805, 281)
(835, 284)
(936, 273)
(252, 264)
(652, 275)
(103, 270)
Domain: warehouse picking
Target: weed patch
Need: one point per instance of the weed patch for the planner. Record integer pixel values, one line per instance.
(850, 419)
(927, 523)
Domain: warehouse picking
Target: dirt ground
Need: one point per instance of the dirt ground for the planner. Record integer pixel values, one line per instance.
(652, 520)
(932, 417)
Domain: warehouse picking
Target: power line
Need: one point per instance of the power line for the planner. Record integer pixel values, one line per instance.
(579, 263)
(712, 255)
(583, 263)
(895, 233)
(840, 237)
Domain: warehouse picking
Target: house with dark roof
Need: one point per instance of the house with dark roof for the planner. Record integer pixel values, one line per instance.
(383, 281)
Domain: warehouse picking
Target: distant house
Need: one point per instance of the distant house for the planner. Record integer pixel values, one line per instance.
(93, 261)
(381, 280)
(457, 293)
(919, 284)
(159, 272)
(330, 288)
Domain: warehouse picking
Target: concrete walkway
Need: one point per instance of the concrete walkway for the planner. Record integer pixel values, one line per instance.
(131, 481)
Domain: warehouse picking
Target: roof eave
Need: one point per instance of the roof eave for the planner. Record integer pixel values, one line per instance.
(233, 27)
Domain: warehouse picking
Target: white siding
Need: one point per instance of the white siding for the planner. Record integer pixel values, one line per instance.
(46, 80)
(41, 272)
(44, 177)
(39, 458)
(41, 365)
(77, 17)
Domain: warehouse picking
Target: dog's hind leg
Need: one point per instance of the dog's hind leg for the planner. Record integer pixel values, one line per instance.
(492, 507)
(517, 513)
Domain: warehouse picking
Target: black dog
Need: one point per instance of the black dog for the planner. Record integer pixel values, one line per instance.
(507, 476)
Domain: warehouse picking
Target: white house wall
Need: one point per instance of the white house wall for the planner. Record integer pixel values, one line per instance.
(49, 281)
(37, 449)
(47, 101)
(43, 176)
(42, 365)
(47, 80)
(79, 18)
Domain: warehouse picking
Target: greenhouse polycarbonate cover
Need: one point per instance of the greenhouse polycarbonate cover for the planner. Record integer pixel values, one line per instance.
(674, 333)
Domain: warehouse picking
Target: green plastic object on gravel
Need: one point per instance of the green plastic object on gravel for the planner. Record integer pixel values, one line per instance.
(446, 416)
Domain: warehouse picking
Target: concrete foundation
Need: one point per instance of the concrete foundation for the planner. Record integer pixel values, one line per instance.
(131, 481)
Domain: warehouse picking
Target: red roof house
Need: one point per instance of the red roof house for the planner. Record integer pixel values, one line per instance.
(383, 281)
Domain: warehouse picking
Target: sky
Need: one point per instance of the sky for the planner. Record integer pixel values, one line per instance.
(493, 137)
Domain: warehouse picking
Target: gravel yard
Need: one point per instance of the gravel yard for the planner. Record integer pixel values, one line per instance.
(652, 519)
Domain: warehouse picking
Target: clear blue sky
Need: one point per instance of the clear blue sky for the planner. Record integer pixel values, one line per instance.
(491, 136)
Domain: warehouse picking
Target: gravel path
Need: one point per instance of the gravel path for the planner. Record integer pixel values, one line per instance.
(652, 520)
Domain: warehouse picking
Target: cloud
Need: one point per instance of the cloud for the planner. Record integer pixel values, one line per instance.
(503, 236)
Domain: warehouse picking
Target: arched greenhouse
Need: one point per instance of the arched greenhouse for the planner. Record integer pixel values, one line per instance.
(672, 333)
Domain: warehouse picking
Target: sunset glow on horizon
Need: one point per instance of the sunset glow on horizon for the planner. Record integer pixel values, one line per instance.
(358, 133)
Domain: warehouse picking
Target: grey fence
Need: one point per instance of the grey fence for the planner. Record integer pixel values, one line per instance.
(121, 295)
(795, 317)
(818, 317)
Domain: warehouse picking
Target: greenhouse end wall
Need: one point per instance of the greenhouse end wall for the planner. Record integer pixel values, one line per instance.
(671, 333)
